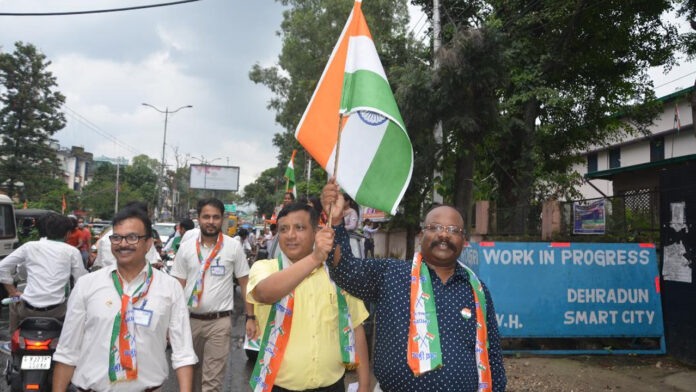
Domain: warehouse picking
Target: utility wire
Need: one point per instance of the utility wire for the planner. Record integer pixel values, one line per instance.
(674, 80)
(139, 7)
(84, 121)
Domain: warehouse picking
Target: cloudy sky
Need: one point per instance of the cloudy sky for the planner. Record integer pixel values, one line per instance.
(195, 54)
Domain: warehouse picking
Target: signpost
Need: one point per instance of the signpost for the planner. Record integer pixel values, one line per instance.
(571, 290)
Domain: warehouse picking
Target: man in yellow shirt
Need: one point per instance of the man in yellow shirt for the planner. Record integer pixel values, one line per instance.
(305, 346)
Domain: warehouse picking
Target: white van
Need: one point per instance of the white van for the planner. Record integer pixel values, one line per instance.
(8, 228)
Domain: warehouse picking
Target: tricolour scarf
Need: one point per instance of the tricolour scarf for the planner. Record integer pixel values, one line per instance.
(122, 354)
(197, 292)
(277, 334)
(424, 352)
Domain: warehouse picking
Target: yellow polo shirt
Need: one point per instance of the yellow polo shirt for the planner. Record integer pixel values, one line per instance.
(312, 358)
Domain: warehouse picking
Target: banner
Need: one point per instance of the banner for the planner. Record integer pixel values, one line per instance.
(589, 218)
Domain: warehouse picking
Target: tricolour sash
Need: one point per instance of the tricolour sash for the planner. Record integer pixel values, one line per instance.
(197, 292)
(122, 353)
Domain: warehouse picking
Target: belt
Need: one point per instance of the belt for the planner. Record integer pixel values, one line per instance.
(151, 389)
(211, 316)
(45, 309)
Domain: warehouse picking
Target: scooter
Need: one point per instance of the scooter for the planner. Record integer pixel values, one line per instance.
(32, 347)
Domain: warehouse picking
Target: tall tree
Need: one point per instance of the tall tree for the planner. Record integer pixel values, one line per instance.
(29, 115)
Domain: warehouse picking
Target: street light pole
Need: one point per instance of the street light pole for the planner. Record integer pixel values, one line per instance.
(166, 113)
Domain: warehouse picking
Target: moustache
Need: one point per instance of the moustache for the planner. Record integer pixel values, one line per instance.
(449, 245)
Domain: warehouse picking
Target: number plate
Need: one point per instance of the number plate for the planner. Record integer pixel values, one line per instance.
(36, 362)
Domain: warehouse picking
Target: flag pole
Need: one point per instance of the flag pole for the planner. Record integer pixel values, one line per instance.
(338, 150)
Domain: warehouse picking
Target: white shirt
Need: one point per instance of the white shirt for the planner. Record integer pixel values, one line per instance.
(190, 234)
(105, 258)
(92, 307)
(218, 291)
(48, 266)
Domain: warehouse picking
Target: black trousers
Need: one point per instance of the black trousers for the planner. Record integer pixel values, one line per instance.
(338, 386)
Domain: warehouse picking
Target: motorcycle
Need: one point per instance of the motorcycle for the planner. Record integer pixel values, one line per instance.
(32, 346)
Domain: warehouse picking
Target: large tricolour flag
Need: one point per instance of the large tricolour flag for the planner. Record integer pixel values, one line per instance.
(375, 160)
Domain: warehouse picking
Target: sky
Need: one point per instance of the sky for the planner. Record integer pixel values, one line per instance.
(196, 54)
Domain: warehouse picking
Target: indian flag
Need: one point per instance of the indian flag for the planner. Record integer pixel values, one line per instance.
(375, 160)
(290, 175)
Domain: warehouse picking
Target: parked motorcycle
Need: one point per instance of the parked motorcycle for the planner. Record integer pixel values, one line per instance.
(32, 346)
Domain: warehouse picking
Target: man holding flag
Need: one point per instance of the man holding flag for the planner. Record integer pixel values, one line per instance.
(452, 341)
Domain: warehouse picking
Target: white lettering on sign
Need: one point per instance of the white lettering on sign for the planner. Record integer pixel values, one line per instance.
(506, 257)
(605, 257)
(609, 296)
(510, 320)
(599, 317)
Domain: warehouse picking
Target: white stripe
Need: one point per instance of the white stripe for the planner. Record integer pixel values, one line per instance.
(359, 144)
(362, 55)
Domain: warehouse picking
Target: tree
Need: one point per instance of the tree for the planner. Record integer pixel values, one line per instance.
(29, 116)
(263, 192)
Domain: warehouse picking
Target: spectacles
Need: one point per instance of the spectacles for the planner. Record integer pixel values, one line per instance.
(437, 228)
(130, 238)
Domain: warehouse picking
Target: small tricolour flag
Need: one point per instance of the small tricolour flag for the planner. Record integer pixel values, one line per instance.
(290, 175)
(376, 157)
(677, 120)
(64, 206)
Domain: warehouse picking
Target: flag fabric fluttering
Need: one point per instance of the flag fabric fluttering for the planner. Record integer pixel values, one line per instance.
(677, 120)
(376, 157)
(64, 206)
(290, 175)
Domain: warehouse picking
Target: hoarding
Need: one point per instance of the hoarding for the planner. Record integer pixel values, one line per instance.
(571, 289)
(218, 178)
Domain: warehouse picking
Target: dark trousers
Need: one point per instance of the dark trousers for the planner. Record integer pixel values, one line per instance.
(338, 386)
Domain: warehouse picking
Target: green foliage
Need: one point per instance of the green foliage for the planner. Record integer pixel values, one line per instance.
(263, 191)
(29, 116)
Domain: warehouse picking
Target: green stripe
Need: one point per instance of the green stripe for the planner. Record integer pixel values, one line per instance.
(381, 188)
(367, 89)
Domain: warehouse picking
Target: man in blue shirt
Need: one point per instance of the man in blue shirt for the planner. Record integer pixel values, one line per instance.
(455, 316)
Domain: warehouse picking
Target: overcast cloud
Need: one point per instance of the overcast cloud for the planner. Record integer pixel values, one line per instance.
(191, 54)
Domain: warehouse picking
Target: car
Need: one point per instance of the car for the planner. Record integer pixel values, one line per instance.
(164, 229)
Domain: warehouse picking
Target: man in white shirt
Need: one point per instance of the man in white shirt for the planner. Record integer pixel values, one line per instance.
(49, 263)
(206, 267)
(119, 318)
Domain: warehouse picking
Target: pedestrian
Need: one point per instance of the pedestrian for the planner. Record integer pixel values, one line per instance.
(49, 262)
(120, 318)
(369, 230)
(350, 213)
(437, 328)
(205, 268)
(312, 330)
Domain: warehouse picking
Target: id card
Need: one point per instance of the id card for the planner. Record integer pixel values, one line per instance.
(142, 317)
(217, 270)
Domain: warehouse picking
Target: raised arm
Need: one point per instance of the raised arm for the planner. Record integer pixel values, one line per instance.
(281, 283)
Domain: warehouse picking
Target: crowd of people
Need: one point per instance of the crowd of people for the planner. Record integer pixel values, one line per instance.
(306, 304)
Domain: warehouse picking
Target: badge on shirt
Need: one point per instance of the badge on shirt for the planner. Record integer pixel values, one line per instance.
(217, 270)
(142, 316)
(466, 313)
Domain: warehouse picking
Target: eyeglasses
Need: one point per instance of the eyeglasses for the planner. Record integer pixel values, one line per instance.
(437, 228)
(130, 238)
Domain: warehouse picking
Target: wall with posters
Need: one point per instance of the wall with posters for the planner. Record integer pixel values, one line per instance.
(571, 289)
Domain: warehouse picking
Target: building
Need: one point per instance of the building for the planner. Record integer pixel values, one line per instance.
(76, 165)
(634, 164)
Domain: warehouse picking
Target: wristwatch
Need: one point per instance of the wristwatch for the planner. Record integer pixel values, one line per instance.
(250, 317)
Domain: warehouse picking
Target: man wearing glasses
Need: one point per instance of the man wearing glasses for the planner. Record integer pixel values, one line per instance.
(120, 318)
(451, 342)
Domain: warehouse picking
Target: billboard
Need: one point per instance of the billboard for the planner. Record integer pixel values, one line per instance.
(571, 289)
(217, 178)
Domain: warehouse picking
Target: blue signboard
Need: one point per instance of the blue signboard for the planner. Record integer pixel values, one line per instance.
(571, 289)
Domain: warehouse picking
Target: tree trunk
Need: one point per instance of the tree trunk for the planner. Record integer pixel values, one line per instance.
(464, 183)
